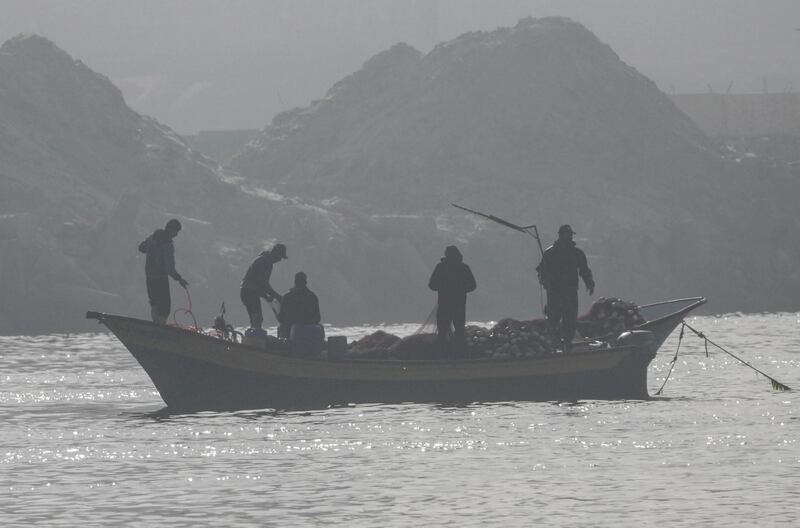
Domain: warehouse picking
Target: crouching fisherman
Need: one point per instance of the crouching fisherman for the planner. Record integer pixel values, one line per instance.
(256, 283)
(159, 266)
(299, 318)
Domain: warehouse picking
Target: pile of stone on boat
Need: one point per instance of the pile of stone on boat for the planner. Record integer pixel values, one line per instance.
(509, 338)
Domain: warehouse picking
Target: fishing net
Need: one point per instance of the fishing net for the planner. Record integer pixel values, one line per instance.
(429, 325)
(382, 345)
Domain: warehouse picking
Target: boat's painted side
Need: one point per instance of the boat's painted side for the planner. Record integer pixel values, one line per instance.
(193, 371)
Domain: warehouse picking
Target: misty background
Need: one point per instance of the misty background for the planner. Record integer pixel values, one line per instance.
(665, 133)
(209, 65)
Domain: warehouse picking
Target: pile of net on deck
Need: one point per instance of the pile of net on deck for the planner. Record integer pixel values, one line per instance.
(509, 338)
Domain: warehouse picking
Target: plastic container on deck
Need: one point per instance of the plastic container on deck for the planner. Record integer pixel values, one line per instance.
(255, 337)
(337, 347)
(307, 340)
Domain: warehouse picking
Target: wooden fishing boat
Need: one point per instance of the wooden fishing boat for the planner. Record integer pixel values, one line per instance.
(195, 371)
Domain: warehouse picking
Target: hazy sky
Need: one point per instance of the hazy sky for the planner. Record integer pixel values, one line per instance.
(222, 64)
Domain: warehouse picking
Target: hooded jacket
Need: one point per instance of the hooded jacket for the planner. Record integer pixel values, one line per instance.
(452, 279)
(160, 251)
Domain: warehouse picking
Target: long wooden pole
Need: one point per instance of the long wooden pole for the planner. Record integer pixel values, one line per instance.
(515, 227)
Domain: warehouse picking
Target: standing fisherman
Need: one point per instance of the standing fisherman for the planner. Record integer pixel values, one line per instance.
(159, 266)
(559, 269)
(452, 279)
(256, 283)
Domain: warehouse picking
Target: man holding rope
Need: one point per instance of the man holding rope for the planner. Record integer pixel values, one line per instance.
(159, 266)
(256, 283)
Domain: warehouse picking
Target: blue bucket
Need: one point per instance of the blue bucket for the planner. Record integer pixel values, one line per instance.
(337, 347)
(307, 340)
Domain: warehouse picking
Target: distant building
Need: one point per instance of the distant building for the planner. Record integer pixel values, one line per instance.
(742, 115)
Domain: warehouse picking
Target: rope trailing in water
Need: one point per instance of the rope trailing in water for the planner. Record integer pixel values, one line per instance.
(776, 385)
(186, 311)
(674, 359)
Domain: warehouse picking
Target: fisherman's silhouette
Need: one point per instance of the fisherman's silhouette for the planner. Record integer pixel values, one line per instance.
(159, 266)
(300, 306)
(299, 319)
(255, 283)
(559, 269)
(452, 279)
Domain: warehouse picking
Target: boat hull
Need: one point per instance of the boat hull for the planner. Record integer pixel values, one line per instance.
(193, 371)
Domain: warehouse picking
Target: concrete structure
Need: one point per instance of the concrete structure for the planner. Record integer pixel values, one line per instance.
(742, 115)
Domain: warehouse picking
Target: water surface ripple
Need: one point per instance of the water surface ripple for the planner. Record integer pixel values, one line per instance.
(85, 441)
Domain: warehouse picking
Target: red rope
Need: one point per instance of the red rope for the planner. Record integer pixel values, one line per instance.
(186, 311)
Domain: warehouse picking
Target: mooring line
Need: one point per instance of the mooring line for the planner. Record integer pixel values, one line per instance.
(776, 385)
(674, 359)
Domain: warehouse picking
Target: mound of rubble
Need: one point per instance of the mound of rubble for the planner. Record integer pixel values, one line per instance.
(509, 338)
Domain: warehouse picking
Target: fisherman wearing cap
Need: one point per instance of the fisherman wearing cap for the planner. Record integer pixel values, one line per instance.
(256, 283)
(559, 269)
(452, 279)
(159, 267)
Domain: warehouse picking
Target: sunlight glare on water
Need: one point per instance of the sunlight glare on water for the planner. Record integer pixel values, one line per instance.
(86, 441)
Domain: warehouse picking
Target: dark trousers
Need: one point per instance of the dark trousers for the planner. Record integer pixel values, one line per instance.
(454, 315)
(158, 294)
(562, 313)
(252, 302)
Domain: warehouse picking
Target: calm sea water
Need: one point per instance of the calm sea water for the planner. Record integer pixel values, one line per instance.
(85, 442)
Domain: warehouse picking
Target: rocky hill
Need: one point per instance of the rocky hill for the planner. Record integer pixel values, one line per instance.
(543, 123)
(537, 123)
(77, 166)
(83, 179)
(536, 108)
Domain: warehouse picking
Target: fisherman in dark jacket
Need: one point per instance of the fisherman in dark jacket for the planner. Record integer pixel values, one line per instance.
(256, 283)
(559, 269)
(452, 279)
(299, 306)
(159, 266)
